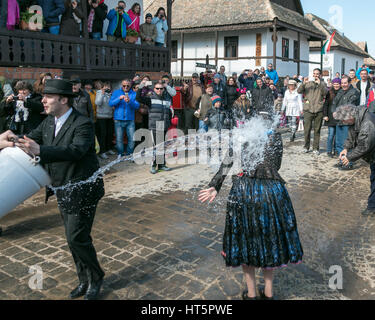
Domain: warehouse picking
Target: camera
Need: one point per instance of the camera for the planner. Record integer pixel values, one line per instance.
(107, 90)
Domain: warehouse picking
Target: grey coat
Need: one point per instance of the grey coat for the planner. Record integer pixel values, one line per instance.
(344, 98)
(103, 109)
(361, 137)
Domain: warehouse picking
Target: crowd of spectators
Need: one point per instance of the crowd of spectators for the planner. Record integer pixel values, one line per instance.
(66, 17)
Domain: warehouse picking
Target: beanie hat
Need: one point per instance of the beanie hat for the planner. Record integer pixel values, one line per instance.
(215, 99)
(148, 15)
(336, 80)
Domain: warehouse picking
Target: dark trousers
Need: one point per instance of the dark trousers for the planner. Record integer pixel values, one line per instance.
(158, 159)
(104, 132)
(77, 230)
(318, 121)
(371, 198)
(191, 121)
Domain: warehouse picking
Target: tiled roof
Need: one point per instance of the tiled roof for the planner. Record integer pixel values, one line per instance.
(370, 61)
(188, 14)
(339, 41)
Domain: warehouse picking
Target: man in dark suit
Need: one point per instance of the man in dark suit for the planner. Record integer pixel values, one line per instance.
(65, 143)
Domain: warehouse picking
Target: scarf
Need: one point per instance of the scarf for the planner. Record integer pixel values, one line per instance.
(13, 14)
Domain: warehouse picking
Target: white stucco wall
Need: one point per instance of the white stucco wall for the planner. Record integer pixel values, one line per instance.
(285, 68)
(332, 61)
(199, 45)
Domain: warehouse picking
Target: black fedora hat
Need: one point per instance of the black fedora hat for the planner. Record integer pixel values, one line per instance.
(59, 86)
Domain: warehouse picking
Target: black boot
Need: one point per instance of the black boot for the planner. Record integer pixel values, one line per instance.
(263, 295)
(93, 290)
(80, 291)
(246, 297)
(293, 137)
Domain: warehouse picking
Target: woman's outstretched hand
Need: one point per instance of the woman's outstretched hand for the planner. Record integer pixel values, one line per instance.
(207, 194)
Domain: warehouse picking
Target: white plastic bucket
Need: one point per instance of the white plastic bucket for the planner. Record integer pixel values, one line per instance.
(19, 178)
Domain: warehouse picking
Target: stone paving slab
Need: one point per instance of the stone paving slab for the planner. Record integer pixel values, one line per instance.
(163, 244)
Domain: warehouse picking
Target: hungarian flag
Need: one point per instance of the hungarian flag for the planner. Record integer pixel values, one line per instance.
(327, 46)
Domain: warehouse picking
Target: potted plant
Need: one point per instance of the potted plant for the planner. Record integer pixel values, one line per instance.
(26, 24)
(132, 36)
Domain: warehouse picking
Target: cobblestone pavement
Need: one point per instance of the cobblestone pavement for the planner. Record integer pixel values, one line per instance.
(155, 241)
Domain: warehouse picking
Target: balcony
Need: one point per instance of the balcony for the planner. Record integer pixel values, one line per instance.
(91, 58)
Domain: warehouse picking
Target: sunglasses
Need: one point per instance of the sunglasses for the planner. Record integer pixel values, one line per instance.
(126, 86)
(159, 88)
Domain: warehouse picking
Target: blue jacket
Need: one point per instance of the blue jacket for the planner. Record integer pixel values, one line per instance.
(52, 9)
(113, 18)
(273, 75)
(161, 27)
(123, 110)
(358, 73)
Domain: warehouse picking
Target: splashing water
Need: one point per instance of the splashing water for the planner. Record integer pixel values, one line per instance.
(253, 133)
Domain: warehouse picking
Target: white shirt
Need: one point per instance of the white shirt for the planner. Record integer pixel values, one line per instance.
(59, 122)
(363, 93)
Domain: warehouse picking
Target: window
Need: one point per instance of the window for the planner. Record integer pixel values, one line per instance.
(343, 66)
(174, 49)
(285, 48)
(296, 50)
(230, 47)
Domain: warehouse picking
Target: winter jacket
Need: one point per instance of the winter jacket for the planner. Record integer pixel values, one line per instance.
(217, 119)
(169, 93)
(273, 76)
(103, 109)
(30, 121)
(82, 104)
(159, 110)
(161, 27)
(135, 21)
(314, 95)
(348, 97)
(371, 100)
(188, 94)
(247, 83)
(262, 99)
(231, 95)
(328, 108)
(368, 87)
(220, 90)
(68, 25)
(100, 15)
(361, 137)
(148, 30)
(292, 104)
(124, 110)
(52, 9)
(204, 103)
(113, 17)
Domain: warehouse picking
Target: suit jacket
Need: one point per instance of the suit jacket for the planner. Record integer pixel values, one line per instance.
(70, 157)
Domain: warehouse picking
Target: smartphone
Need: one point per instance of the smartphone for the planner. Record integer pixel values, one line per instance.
(149, 83)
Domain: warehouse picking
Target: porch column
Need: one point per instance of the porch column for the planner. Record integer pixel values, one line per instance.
(299, 54)
(274, 42)
(216, 49)
(86, 35)
(321, 55)
(182, 54)
(169, 32)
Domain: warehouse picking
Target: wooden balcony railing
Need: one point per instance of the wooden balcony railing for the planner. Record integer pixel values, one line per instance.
(36, 49)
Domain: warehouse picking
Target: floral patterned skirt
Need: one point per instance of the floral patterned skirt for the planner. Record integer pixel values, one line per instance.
(261, 228)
